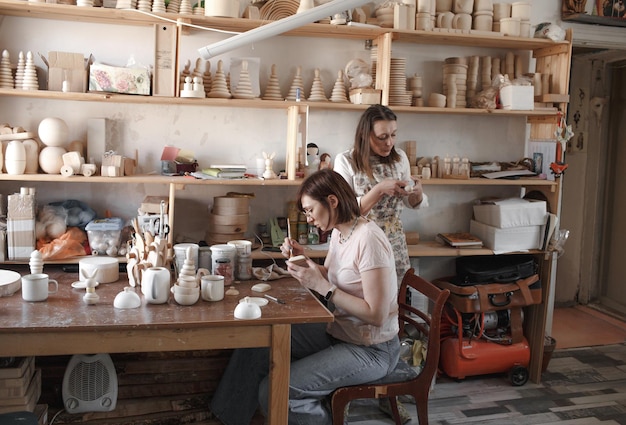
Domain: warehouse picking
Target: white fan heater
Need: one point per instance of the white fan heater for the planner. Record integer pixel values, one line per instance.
(90, 384)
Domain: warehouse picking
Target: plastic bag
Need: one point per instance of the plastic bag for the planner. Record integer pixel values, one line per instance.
(550, 30)
(69, 244)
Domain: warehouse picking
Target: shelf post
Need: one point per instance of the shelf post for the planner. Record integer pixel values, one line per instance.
(297, 129)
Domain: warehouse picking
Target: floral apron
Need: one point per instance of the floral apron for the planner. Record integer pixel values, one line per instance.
(386, 212)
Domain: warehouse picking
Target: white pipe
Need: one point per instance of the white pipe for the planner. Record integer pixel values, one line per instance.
(278, 27)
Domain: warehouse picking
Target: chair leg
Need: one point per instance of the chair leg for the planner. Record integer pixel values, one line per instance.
(338, 409)
(393, 401)
(421, 404)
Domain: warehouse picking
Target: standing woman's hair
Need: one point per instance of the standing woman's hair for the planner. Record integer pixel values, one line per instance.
(362, 152)
(323, 183)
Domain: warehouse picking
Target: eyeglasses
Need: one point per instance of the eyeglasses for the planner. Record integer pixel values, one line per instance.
(384, 137)
(307, 212)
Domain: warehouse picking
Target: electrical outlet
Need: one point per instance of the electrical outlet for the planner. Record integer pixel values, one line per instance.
(578, 143)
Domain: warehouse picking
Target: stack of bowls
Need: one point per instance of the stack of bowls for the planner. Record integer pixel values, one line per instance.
(455, 72)
(228, 219)
(384, 15)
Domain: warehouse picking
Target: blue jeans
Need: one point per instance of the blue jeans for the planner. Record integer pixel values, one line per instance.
(319, 365)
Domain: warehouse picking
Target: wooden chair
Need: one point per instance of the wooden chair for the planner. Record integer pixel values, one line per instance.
(404, 380)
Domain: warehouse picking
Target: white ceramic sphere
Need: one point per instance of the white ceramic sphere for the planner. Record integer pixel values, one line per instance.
(51, 159)
(53, 131)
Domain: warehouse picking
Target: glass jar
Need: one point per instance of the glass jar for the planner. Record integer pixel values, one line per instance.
(244, 267)
(224, 268)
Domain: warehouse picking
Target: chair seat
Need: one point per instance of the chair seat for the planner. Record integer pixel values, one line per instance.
(402, 372)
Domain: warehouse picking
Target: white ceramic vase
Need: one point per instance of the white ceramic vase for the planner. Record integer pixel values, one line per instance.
(15, 157)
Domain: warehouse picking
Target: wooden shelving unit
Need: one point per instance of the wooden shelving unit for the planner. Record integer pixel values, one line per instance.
(550, 57)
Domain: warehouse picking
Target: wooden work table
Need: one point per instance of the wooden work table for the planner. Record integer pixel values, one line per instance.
(64, 324)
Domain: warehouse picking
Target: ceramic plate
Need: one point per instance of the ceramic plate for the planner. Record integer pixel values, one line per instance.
(10, 282)
(256, 300)
(79, 284)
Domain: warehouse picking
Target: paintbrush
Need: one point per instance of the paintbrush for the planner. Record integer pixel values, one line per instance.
(289, 236)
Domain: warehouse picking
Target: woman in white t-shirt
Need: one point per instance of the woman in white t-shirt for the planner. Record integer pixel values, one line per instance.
(358, 280)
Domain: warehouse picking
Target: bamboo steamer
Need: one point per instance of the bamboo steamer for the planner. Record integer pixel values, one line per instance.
(230, 205)
(215, 238)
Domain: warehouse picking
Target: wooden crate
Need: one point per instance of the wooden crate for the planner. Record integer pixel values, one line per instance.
(14, 381)
(28, 401)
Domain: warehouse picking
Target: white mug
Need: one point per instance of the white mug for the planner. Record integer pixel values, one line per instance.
(36, 287)
(212, 287)
(155, 285)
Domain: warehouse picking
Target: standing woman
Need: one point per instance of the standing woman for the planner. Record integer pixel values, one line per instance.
(361, 344)
(380, 175)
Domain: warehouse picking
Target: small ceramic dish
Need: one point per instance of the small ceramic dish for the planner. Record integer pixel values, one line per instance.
(80, 284)
(256, 300)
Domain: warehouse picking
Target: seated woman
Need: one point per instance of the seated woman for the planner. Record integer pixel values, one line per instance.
(358, 279)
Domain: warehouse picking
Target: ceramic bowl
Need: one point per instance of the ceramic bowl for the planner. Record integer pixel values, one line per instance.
(186, 299)
(184, 290)
(247, 310)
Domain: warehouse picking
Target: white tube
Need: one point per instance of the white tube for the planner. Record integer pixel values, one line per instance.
(278, 27)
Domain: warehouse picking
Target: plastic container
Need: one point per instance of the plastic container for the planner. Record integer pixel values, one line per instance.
(222, 251)
(104, 235)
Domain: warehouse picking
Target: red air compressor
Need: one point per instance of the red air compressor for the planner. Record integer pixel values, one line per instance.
(484, 343)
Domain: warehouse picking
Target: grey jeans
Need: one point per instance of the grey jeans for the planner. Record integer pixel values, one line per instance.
(319, 365)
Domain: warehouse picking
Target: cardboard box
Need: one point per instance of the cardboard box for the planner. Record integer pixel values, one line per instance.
(70, 67)
(518, 98)
(511, 212)
(365, 96)
(119, 79)
(510, 239)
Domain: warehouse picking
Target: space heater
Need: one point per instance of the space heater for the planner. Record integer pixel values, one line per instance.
(90, 384)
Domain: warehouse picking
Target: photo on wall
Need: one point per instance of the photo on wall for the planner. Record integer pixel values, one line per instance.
(611, 8)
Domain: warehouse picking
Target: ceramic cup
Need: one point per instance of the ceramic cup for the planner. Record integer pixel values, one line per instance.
(444, 6)
(483, 5)
(36, 287)
(444, 20)
(178, 289)
(510, 26)
(463, 6)
(155, 285)
(521, 10)
(501, 10)
(483, 22)
(212, 287)
(462, 21)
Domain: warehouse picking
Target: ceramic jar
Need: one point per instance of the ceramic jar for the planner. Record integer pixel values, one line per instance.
(15, 157)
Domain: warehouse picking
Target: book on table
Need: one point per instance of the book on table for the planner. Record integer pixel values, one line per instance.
(461, 239)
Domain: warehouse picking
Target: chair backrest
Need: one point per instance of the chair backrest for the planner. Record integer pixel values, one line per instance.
(428, 323)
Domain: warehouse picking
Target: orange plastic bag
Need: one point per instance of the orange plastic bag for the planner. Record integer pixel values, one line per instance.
(69, 244)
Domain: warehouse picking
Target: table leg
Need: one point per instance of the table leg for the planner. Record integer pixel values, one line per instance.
(280, 360)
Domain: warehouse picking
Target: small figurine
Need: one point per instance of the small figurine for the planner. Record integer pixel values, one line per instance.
(269, 172)
(90, 296)
(326, 162)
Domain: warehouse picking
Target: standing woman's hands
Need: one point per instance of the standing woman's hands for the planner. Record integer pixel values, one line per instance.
(415, 192)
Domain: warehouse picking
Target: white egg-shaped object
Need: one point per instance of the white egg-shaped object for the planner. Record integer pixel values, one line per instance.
(15, 157)
(53, 131)
(32, 156)
(51, 159)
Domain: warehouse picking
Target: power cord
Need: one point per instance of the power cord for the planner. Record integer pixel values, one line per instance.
(55, 416)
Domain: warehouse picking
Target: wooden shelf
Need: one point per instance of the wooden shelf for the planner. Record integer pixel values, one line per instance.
(184, 180)
(262, 104)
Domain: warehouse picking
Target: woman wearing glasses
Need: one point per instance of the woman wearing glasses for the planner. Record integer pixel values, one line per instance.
(380, 175)
(361, 345)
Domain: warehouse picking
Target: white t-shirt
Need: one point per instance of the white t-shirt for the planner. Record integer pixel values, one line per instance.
(366, 249)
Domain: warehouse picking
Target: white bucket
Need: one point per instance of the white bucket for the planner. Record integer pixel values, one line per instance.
(220, 251)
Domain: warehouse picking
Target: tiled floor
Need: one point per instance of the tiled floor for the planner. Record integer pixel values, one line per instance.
(584, 385)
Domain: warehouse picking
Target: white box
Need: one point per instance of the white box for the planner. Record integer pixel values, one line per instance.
(519, 98)
(509, 239)
(511, 212)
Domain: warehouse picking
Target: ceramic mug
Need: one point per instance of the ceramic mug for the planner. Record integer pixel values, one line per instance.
(510, 26)
(483, 22)
(155, 284)
(501, 10)
(444, 20)
(36, 287)
(212, 287)
(462, 21)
